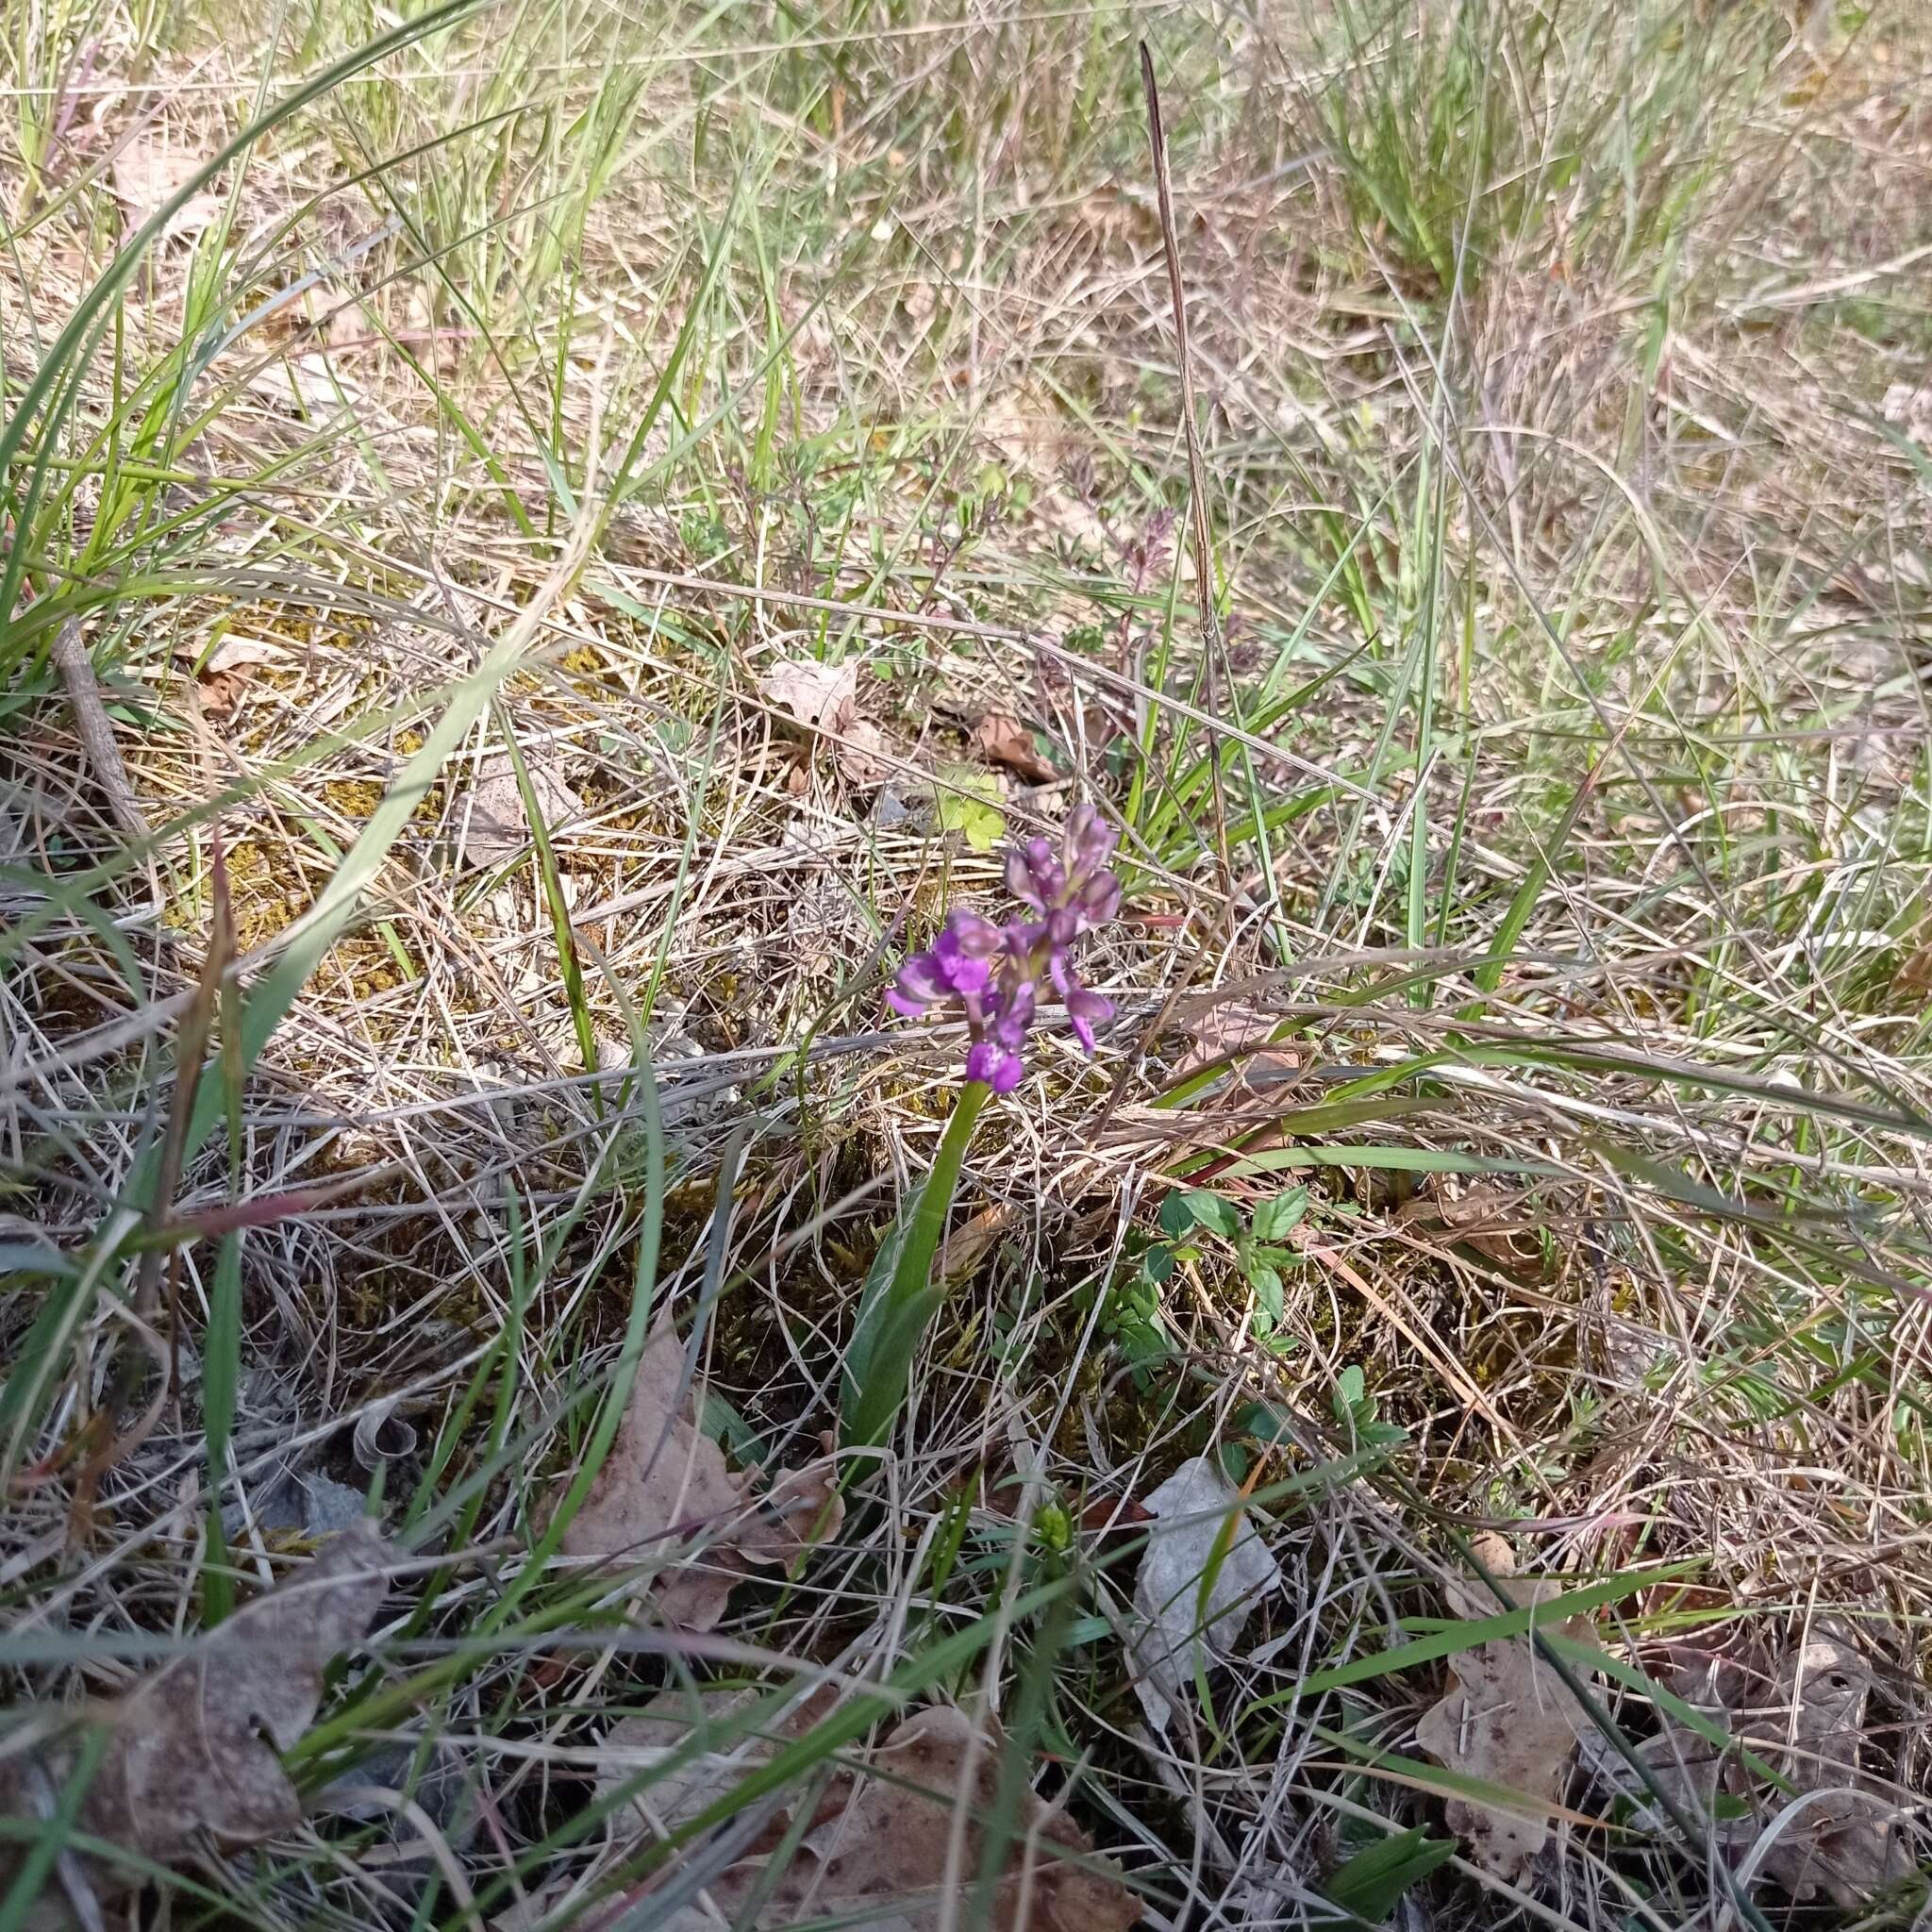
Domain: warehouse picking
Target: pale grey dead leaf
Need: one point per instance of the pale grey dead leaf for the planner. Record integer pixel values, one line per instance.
(733, 1748)
(822, 697)
(329, 1508)
(1840, 1836)
(906, 801)
(1690, 1768)
(1508, 1718)
(309, 1504)
(827, 929)
(539, 1907)
(1178, 1632)
(497, 827)
(1836, 1833)
(235, 653)
(663, 1488)
(195, 1745)
(309, 383)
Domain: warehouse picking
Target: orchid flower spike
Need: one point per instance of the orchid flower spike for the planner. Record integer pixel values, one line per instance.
(992, 975)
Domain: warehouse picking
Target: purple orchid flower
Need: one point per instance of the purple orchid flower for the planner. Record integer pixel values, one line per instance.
(992, 975)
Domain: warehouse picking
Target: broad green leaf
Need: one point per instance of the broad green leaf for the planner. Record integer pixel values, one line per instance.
(1266, 1282)
(1276, 1219)
(1203, 1209)
(1370, 1885)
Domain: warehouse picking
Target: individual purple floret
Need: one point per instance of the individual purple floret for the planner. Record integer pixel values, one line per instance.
(993, 974)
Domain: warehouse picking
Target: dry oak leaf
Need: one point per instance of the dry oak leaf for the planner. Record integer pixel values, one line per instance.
(1506, 1718)
(1001, 739)
(802, 1508)
(664, 1484)
(1691, 1768)
(877, 1847)
(664, 1487)
(228, 669)
(864, 759)
(663, 1730)
(147, 173)
(822, 697)
(1246, 1034)
(192, 1755)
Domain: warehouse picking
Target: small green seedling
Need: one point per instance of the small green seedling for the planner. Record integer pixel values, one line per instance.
(1258, 1251)
(1360, 1414)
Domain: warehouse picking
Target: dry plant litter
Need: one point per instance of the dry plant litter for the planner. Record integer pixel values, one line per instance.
(547, 549)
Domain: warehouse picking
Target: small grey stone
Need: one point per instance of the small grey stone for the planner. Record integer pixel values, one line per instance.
(329, 1506)
(892, 808)
(273, 1507)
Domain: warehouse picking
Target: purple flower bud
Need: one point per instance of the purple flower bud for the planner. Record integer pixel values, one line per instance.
(1086, 1010)
(1000, 1069)
(1099, 898)
(979, 938)
(1089, 840)
(1046, 875)
(1015, 1015)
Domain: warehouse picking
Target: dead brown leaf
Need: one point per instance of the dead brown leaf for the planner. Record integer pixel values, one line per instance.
(1506, 1718)
(864, 761)
(821, 697)
(1029, 428)
(1245, 1032)
(1690, 1768)
(193, 1756)
(1001, 739)
(802, 1508)
(148, 172)
(230, 667)
(666, 1726)
(1835, 1832)
(965, 1247)
(664, 1485)
(497, 826)
(879, 1841)
(1496, 1221)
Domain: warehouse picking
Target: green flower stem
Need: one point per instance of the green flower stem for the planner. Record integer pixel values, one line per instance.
(901, 1296)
